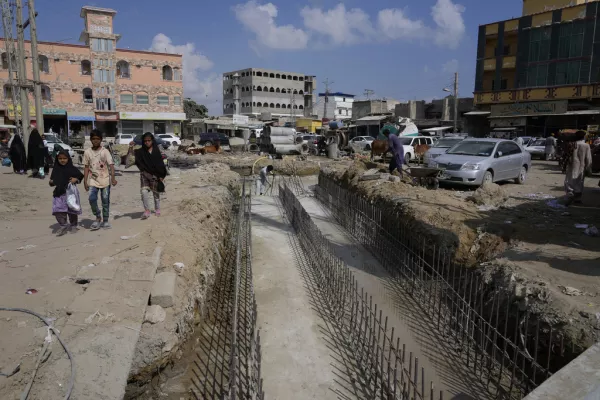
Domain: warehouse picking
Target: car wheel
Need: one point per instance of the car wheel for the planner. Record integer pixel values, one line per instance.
(408, 156)
(488, 178)
(522, 176)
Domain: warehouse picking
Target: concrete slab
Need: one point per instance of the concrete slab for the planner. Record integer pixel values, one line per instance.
(163, 289)
(98, 271)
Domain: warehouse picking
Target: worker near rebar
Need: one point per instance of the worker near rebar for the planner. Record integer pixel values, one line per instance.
(395, 146)
(262, 182)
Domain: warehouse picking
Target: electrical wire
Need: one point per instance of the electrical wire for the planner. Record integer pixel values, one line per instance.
(49, 324)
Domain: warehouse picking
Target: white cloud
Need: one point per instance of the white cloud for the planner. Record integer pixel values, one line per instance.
(205, 90)
(450, 24)
(260, 20)
(450, 66)
(341, 26)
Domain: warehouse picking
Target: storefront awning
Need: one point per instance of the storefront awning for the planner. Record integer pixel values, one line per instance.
(160, 116)
(81, 116)
(54, 111)
(578, 112)
(477, 113)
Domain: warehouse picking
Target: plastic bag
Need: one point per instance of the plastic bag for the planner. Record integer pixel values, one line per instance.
(6, 162)
(73, 197)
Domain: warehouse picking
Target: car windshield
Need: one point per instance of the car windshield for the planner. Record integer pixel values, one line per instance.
(307, 137)
(473, 148)
(164, 136)
(447, 143)
(52, 139)
(406, 141)
(368, 138)
(539, 142)
(126, 136)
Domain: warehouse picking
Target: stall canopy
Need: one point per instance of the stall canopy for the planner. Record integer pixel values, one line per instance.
(477, 113)
(371, 120)
(437, 129)
(81, 116)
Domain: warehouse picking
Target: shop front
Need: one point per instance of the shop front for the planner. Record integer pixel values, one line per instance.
(107, 123)
(55, 121)
(80, 123)
(10, 114)
(155, 122)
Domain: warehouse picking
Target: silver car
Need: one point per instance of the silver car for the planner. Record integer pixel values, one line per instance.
(362, 143)
(478, 161)
(440, 147)
(537, 148)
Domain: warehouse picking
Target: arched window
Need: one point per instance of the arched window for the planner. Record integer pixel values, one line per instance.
(46, 95)
(272, 90)
(88, 95)
(177, 75)
(289, 106)
(295, 91)
(253, 73)
(167, 73)
(283, 76)
(259, 89)
(86, 67)
(123, 69)
(259, 104)
(277, 90)
(301, 92)
(272, 105)
(248, 89)
(301, 107)
(295, 107)
(265, 89)
(243, 89)
(277, 105)
(271, 75)
(301, 79)
(283, 90)
(295, 78)
(253, 104)
(259, 73)
(7, 91)
(43, 62)
(277, 76)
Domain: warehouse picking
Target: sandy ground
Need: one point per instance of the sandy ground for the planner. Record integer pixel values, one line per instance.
(518, 232)
(101, 317)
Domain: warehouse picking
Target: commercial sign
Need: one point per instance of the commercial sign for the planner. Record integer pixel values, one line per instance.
(508, 122)
(54, 111)
(107, 117)
(153, 116)
(81, 116)
(240, 119)
(532, 108)
(11, 111)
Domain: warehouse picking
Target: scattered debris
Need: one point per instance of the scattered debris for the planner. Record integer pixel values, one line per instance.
(155, 314)
(490, 195)
(101, 317)
(11, 373)
(571, 291)
(31, 291)
(82, 281)
(539, 196)
(129, 237)
(3, 253)
(27, 247)
(555, 204)
(179, 267)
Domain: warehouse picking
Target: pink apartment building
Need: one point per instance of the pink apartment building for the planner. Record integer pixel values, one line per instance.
(99, 85)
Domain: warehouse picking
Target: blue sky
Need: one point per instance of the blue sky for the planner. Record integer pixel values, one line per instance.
(400, 49)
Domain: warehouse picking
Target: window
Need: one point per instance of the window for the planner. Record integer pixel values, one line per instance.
(570, 42)
(7, 92)
(102, 45)
(46, 96)
(177, 100)
(537, 75)
(4, 61)
(573, 71)
(105, 104)
(123, 69)
(509, 148)
(576, 48)
(141, 99)
(177, 75)
(539, 48)
(133, 128)
(503, 84)
(167, 73)
(100, 29)
(126, 98)
(43, 63)
(162, 100)
(86, 67)
(88, 95)
(104, 75)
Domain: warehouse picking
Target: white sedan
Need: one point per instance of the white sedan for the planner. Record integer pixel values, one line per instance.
(172, 139)
(363, 143)
(124, 138)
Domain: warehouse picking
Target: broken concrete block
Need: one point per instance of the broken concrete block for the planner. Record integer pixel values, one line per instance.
(163, 289)
(155, 314)
(394, 178)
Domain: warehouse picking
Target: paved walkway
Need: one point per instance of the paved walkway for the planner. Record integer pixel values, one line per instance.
(296, 363)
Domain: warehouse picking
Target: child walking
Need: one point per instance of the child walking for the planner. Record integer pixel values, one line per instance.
(63, 173)
(99, 175)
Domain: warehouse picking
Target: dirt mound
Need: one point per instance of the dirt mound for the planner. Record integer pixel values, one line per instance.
(490, 195)
(440, 215)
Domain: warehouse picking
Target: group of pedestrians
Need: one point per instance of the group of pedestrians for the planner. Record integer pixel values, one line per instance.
(98, 177)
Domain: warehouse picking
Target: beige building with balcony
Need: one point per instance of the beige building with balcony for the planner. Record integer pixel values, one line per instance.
(540, 73)
(99, 85)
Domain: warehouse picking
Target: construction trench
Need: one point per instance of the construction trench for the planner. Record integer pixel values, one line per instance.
(324, 295)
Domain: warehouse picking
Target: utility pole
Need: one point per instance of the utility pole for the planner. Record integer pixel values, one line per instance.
(456, 102)
(369, 93)
(7, 25)
(326, 83)
(37, 85)
(22, 75)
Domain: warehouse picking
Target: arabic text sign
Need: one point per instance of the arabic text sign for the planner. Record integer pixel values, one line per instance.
(533, 108)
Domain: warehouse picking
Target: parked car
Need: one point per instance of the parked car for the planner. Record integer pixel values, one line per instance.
(124, 138)
(313, 144)
(209, 139)
(409, 143)
(478, 161)
(537, 148)
(138, 141)
(51, 139)
(362, 143)
(172, 139)
(440, 147)
(526, 140)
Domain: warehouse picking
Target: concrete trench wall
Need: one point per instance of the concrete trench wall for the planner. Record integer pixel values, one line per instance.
(489, 313)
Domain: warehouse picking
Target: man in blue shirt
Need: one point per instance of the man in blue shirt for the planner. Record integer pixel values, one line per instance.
(395, 146)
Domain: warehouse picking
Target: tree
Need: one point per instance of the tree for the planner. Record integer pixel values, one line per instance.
(193, 109)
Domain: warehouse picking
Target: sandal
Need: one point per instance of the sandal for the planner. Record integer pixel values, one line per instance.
(157, 213)
(146, 215)
(95, 226)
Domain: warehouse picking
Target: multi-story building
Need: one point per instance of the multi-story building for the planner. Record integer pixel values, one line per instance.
(540, 72)
(338, 106)
(98, 85)
(255, 91)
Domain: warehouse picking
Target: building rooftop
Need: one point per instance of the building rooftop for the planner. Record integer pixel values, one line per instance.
(85, 9)
(340, 94)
